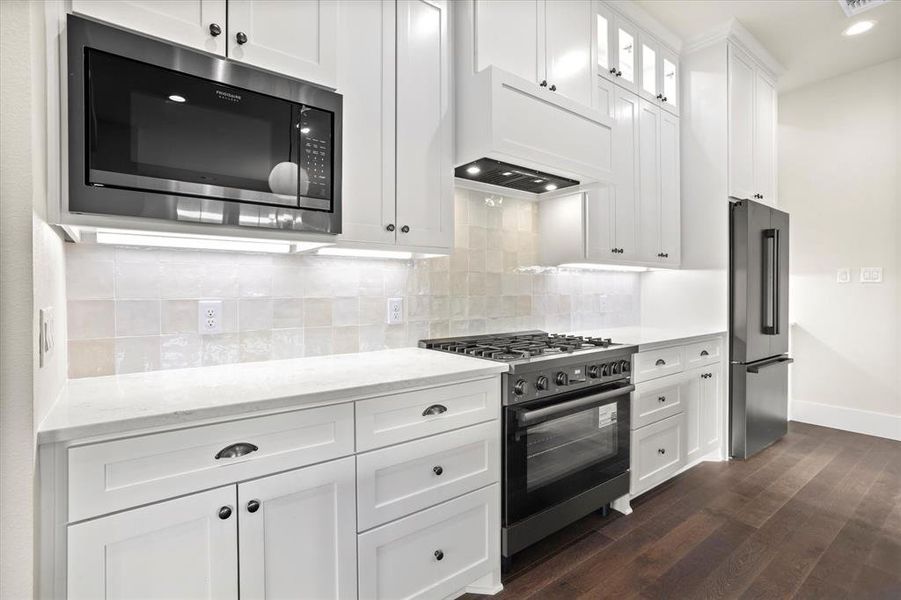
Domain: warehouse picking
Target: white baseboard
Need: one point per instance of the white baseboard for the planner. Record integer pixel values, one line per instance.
(849, 419)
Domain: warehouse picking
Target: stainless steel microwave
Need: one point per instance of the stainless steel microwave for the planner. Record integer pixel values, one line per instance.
(162, 132)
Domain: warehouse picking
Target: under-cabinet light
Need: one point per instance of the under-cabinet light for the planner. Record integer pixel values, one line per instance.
(201, 242)
(356, 253)
(600, 267)
(177, 98)
(859, 27)
(473, 170)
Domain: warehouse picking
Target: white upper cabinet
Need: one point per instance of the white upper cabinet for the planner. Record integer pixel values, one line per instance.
(752, 129)
(548, 42)
(765, 138)
(297, 38)
(649, 76)
(507, 36)
(183, 548)
(658, 79)
(568, 49)
(669, 80)
(366, 80)
(298, 533)
(741, 125)
(425, 186)
(198, 24)
(670, 192)
(625, 39)
(649, 180)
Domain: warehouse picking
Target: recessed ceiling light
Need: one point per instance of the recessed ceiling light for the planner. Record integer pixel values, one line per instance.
(473, 170)
(537, 180)
(305, 130)
(506, 173)
(859, 27)
(550, 187)
(177, 98)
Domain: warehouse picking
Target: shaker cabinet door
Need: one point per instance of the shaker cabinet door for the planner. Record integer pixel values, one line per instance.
(185, 548)
(425, 170)
(298, 533)
(297, 38)
(765, 139)
(509, 34)
(741, 125)
(649, 181)
(568, 55)
(192, 23)
(670, 194)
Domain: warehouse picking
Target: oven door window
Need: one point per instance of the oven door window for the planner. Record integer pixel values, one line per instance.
(158, 130)
(558, 458)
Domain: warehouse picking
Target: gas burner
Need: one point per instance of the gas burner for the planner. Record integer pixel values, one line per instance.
(519, 346)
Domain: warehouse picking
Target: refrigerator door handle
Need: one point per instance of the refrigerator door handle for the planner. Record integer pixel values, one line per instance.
(784, 360)
(770, 304)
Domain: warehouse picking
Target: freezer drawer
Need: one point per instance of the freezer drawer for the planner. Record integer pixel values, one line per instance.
(759, 403)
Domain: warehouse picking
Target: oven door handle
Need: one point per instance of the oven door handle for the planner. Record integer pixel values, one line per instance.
(531, 417)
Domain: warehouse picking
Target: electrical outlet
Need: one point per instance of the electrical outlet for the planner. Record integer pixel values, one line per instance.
(209, 316)
(871, 274)
(45, 335)
(843, 275)
(395, 311)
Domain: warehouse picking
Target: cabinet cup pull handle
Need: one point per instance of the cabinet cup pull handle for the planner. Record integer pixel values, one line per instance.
(661, 398)
(435, 409)
(704, 353)
(439, 554)
(236, 450)
(215, 29)
(241, 38)
(253, 506)
(438, 469)
(661, 451)
(225, 512)
(660, 362)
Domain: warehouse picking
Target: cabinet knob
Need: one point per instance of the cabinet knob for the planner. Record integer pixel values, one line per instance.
(253, 506)
(661, 451)
(241, 38)
(405, 229)
(543, 83)
(437, 469)
(664, 98)
(661, 398)
(660, 96)
(553, 88)
(439, 554)
(619, 73)
(613, 70)
(660, 255)
(225, 512)
(390, 227)
(215, 29)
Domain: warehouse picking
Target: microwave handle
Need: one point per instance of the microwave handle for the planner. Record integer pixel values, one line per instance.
(531, 417)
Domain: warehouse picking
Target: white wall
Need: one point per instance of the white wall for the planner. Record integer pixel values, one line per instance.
(31, 276)
(839, 166)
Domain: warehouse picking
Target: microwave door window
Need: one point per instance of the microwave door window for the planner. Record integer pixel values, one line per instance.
(158, 130)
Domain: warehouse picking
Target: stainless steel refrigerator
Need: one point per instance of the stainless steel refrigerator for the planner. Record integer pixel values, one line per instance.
(758, 333)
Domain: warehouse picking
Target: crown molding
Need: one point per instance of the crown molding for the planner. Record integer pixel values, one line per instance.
(734, 32)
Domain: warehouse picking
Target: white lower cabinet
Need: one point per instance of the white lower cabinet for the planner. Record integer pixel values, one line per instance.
(185, 548)
(658, 451)
(433, 553)
(297, 535)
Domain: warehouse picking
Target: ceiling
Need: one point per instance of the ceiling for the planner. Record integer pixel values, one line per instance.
(804, 35)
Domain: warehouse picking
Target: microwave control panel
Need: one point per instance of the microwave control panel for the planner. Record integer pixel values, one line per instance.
(316, 153)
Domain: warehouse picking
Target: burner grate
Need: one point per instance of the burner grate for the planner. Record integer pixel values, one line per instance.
(517, 346)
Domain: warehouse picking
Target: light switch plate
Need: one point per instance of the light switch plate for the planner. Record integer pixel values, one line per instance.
(843, 275)
(45, 335)
(395, 311)
(871, 274)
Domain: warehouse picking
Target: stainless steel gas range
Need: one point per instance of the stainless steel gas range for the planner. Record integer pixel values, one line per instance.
(566, 427)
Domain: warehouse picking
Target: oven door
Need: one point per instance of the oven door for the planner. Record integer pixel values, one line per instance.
(558, 448)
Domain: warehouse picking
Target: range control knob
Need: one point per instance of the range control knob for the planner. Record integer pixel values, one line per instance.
(541, 383)
(520, 387)
(625, 366)
(594, 371)
(605, 370)
(562, 378)
(616, 368)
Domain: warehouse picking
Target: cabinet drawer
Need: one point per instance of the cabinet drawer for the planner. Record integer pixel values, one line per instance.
(657, 452)
(110, 476)
(656, 363)
(402, 417)
(396, 481)
(656, 400)
(433, 553)
(702, 353)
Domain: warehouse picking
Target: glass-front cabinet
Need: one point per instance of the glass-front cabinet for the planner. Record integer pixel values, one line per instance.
(658, 77)
(617, 47)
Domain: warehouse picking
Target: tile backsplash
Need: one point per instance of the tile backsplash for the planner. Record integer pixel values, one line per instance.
(135, 309)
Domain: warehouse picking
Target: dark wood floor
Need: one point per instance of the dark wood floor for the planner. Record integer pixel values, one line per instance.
(817, 515)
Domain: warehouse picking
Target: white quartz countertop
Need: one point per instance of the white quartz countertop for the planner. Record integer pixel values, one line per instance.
(646, 336)
(124, 403)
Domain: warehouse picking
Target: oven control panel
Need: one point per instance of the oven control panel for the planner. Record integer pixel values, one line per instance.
(542, 383)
